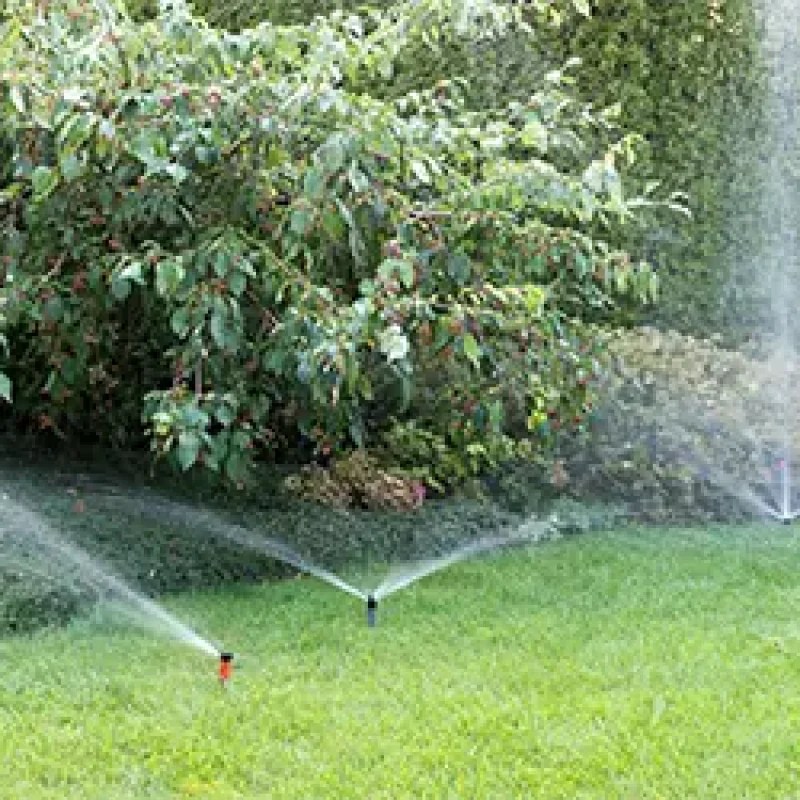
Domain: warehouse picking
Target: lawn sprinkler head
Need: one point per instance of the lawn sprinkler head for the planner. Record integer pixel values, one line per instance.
(225, 667)
(372, 611)
(788, 519)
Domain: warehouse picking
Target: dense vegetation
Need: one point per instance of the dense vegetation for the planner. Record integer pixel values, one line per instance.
(232, 238)
(687, 77)
(344, 231)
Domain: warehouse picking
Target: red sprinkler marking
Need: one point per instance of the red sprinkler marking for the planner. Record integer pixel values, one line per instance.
(225, 667)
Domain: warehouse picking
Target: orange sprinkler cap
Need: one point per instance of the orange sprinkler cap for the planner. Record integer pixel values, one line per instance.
(225, 666)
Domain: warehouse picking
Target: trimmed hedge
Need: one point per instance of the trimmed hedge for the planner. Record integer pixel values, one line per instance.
(689, 78)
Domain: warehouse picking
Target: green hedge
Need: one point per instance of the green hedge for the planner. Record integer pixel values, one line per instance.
(690, 80)
(687, 429)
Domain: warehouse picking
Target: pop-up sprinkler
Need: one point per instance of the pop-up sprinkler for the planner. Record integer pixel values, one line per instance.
(225, 667)
(372, 611)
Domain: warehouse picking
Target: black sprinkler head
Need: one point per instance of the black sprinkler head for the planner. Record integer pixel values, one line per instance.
(787, 520)
(372, 609)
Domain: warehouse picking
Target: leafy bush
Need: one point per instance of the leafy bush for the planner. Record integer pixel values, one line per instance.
(357, 481)
(688, 76)
(29, 603)
(686, 427)
(225, 234)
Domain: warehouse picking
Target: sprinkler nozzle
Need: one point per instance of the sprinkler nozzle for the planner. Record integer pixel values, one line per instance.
(787, 520)
(372, 610)
(225, 667)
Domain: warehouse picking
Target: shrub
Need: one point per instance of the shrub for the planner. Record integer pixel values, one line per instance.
(686, 427)
(357, 481)
(226, 235)
(688, 76)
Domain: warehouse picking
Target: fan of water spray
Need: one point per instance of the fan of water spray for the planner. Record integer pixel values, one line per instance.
(350, 557)
(31, 545)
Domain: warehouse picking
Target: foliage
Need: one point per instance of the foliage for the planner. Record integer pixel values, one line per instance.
(690, 78)
(231, 215)
(158, 534)
(685, 428)
(687, 75)
(29, 604)
(357, 481)
(237, 16)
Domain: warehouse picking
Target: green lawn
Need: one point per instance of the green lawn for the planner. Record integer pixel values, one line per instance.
(636, 664)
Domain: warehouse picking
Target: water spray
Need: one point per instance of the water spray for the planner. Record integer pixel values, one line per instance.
(372, 611)
(225, 667)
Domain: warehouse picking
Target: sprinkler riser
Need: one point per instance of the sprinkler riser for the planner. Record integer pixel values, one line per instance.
(372, 612)
(225, 668)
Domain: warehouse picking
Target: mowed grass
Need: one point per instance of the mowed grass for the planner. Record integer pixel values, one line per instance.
(632, 664)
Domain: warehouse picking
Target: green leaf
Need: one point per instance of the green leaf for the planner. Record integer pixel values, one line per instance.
(472, 350)
(17, 100)
(365, 387)
(225, 415)
(169, 276)
(332, 154)
(237, 283)
(420, 171)
(496, 416)
(5, 387)
(332, 223)
(53, 309)
(394, 344)
(313, 184)
(534, 135)
(221, 264)
(275, 361)
(582, 7)
(236, 465)
(180, 322)
(301, 220)
(44, 180)
(218, 329)
(459, 267)
(406, 272)
(69, 371)
(133, 272)
(395, 266)
(120, 289)
(122, 280)
(653, 285)
(177, 172)
(188, 449)
(71, 167)
(358, 180)
(76, 132)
